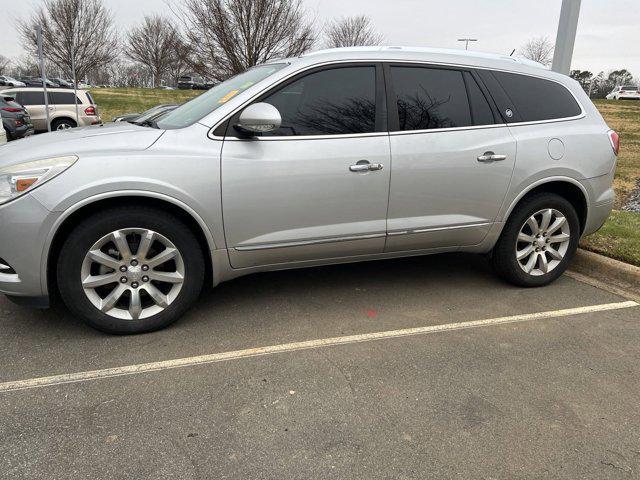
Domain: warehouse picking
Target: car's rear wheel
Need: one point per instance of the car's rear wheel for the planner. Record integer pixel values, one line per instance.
(130, 270)
(538, 241)
(63, 124)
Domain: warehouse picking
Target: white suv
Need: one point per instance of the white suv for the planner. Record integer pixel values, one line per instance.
(629, 92)
(62, 107)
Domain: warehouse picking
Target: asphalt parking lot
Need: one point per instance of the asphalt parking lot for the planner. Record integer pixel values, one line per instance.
(516, 396)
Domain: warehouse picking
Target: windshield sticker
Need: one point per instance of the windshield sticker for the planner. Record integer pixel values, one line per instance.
(246, 85)
(228, 96)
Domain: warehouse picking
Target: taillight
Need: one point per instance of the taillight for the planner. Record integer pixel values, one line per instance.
(11, 109)
(90, 111)
(614, 138)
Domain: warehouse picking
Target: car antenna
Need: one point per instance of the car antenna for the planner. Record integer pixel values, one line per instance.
(511, 54)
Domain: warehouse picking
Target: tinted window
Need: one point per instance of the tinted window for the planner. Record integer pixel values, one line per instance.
(430, 98)
(329, 102)
(62, 98)
(538, 99)
(480, 109)
(31, 98)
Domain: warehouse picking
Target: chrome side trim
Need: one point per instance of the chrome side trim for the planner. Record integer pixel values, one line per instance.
(436, 229)
(270, 246)
(290, 138)
(451, 129)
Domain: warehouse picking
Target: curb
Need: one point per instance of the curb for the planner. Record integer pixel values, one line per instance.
(613, 275)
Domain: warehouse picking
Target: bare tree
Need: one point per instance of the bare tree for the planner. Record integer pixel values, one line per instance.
(228, 36)
(181, 59)
(5, 63)
(85, 26)
(152, 44)
(538, 49)
(355, 31)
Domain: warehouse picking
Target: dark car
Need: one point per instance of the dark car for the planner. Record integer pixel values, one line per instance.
(150, 114)
(150, 117)
(15, 119)
(61, 82)
(37, 82)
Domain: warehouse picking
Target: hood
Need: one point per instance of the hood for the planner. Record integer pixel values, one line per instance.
(112, 137)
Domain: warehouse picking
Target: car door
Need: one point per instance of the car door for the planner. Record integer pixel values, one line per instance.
(33, 101)
(301, 193)
(452, 158)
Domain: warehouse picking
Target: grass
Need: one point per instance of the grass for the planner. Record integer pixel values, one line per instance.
(620, 236)
(118, 101)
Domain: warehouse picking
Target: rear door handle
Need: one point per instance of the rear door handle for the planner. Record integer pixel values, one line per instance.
(489, 157)
(361, 166)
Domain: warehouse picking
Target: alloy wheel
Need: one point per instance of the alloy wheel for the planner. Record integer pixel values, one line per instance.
(542, 242)
(132, 273)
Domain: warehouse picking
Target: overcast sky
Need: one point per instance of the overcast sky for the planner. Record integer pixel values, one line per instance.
(607, 33)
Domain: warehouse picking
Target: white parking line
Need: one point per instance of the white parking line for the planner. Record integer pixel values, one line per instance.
(291, 347)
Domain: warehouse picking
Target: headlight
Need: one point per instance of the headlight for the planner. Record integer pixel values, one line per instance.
(16, 180)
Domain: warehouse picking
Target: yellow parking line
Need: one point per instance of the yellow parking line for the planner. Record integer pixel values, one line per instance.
(295, 346)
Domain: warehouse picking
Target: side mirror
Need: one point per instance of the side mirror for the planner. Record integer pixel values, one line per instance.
(259, 118)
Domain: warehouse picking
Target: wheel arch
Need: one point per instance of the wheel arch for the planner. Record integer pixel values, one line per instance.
(566, 187)
(74, 215)
(62, 117)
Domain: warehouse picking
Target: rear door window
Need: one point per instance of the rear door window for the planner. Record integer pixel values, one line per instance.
(480, 109)
(430, 98)
(537, 99)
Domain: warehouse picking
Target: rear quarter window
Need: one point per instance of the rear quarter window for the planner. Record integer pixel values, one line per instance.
(537, 99)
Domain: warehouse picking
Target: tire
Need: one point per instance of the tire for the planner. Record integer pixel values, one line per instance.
(160, 303)
(527, 216)
(63, 124)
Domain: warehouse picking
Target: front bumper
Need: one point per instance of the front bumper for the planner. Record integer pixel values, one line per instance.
(24, 228)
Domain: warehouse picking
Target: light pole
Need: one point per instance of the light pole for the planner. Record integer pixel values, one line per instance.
(466, 42)
(43, 75)
(566, 38)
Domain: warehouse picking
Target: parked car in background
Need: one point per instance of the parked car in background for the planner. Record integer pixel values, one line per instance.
(127, 117)
(150, 117)
(15, 118)
(37, 82)
(62, 83)
(191, 82)
(62, 107)
(289, 165)
(627, 92)
(6, 81)
(148, 114)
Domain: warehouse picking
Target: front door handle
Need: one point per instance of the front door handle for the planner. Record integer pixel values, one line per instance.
(365, 166)
(489, 157)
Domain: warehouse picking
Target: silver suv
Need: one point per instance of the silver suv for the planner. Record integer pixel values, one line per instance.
(337, 156)
(62, 107)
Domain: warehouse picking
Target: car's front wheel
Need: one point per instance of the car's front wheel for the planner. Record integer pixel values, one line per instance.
(130, 270)
(538, 241)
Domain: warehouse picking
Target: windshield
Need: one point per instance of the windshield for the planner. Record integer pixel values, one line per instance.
(198, 108)
(628, 89)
